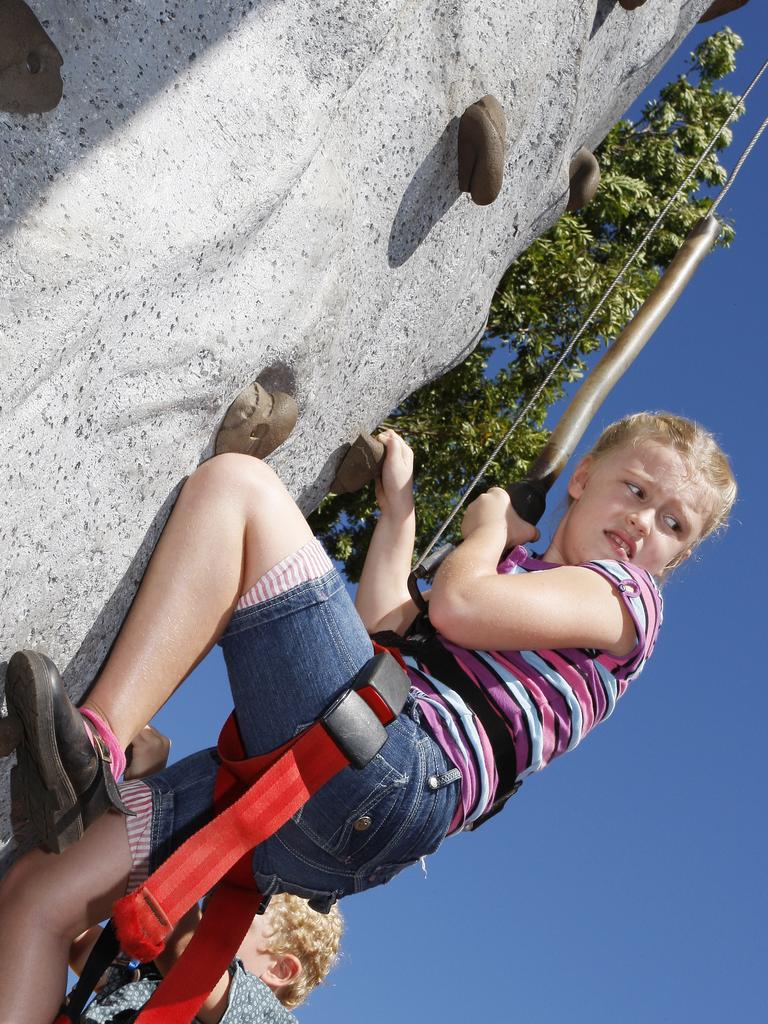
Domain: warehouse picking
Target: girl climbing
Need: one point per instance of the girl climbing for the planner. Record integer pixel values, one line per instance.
(530, 653)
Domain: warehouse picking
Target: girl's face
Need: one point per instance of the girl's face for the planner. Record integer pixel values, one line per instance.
(639, 503)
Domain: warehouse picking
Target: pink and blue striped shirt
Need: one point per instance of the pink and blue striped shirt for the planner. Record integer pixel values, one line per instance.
(548, 700)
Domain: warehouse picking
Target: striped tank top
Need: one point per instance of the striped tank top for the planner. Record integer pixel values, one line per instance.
(548, 700)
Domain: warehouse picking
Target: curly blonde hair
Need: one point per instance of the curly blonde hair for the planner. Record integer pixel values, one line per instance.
(313, 938)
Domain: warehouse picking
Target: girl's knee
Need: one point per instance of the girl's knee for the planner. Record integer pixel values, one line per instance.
(234, 479)
(232, 471)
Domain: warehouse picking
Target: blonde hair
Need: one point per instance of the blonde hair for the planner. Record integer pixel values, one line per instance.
(697, 446)
(312, 937)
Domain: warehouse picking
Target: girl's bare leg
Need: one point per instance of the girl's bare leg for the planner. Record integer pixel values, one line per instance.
(233, 521)
(46, 901)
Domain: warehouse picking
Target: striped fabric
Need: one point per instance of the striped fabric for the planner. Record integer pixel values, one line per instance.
(549, 700)
(308, 563)
(137, 797)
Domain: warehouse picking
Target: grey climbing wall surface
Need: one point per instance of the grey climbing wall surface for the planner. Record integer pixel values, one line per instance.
(265, 188)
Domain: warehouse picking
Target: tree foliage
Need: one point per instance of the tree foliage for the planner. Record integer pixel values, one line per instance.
(545, 295)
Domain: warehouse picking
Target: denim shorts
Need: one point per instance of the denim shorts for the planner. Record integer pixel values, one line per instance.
(287, 659)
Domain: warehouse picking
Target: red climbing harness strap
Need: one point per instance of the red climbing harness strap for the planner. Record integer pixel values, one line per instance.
(254, 797)
(228, 915)
(144, 919)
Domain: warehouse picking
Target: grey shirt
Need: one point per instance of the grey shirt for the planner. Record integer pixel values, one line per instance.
(127, 990)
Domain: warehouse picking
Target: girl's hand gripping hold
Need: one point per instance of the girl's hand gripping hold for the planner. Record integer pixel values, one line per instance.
(382, 599)
(394, 488)
(493, 513)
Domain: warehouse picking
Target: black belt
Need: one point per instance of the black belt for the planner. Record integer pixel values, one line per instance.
(423, 645)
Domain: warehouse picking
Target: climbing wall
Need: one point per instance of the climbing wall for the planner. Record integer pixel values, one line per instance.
(254, 189)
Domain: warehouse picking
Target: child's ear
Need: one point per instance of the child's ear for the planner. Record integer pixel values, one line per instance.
(283, 971)
(579, 478)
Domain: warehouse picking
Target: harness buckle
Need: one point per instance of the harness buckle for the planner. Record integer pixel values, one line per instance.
(352, 724)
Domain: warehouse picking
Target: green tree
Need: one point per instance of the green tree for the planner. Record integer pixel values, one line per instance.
(543, 298)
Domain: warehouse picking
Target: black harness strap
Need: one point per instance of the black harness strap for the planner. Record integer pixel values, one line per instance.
(422, 644)
(101, 956)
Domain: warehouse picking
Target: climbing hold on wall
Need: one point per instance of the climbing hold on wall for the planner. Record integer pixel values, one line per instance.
(630, 5)
(721, 7)
(30, 79)
(584, 177)
(482, 144)
(257, 422)
(360, 465)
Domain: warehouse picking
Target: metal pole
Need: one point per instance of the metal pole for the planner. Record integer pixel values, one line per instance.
(618, 358)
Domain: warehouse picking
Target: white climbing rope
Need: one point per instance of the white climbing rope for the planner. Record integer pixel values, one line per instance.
(568, 349)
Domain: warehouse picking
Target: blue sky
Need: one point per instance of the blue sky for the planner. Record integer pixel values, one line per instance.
(626, 882)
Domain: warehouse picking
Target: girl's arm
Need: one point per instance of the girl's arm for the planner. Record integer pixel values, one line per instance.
(475, 607)
(382, 596)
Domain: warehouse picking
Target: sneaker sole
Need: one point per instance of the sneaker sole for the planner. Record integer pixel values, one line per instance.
(39, 779)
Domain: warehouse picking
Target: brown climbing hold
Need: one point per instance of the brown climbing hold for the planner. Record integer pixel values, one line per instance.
(257, 422)
(360, 465)
(630, 5)
(30, 76)
(584, 177)
(721, 7)
(11, 733)
(482, 144)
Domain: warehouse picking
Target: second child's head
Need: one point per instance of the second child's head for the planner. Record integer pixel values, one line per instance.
(292, 947)
(652, 488)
